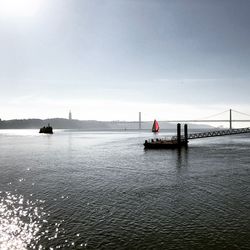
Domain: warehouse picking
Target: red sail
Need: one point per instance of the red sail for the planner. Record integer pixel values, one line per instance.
(155, 127)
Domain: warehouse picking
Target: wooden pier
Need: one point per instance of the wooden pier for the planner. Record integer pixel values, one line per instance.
(175, 142)
(182, 141)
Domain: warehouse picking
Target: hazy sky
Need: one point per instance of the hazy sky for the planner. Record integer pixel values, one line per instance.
(110, 59)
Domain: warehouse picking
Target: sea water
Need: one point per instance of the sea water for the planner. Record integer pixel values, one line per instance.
(102, 190)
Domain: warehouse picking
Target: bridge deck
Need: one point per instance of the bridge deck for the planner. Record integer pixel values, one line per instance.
(215, 133)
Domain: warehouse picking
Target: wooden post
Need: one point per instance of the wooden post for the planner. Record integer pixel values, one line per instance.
(186, 133)
(179, 134)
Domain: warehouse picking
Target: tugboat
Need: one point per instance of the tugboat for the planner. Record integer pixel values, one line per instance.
(155, 127)
(46, 130)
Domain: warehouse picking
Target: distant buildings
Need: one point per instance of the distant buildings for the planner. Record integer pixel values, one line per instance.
(70, 115)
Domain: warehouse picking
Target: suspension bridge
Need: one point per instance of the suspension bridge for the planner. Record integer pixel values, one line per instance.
(209, 119)
(182, 140)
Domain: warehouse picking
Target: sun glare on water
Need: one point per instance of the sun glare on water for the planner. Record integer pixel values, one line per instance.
(19, 8)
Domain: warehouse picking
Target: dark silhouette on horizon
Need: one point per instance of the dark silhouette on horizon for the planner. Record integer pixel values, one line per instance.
(46, 130)
(61, 123)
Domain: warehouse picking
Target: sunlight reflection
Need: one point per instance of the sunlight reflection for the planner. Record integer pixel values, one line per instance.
(19, 222)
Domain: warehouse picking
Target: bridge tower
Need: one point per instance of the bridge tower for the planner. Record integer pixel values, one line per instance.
(230, 119)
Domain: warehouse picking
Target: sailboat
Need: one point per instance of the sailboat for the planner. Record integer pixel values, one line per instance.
(155, 127)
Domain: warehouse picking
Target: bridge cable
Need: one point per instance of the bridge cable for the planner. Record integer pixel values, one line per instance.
(240, 112)
(214, 115)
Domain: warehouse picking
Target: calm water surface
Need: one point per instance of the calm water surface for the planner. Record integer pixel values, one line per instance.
(102, 190)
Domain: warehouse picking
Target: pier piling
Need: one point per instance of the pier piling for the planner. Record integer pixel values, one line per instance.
(186, 133)
(179, 134)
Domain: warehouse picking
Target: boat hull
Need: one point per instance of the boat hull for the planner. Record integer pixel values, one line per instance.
(164, 144)
(46, 130)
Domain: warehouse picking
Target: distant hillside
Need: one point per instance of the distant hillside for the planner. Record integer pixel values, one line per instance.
(60, 123)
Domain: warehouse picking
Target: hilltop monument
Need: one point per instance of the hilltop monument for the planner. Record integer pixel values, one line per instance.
(140, 120)
(70, 115)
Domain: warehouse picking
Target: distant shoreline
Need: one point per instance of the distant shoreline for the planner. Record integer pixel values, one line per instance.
(61, 123)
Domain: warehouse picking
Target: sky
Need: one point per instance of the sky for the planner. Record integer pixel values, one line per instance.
(110, 59)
